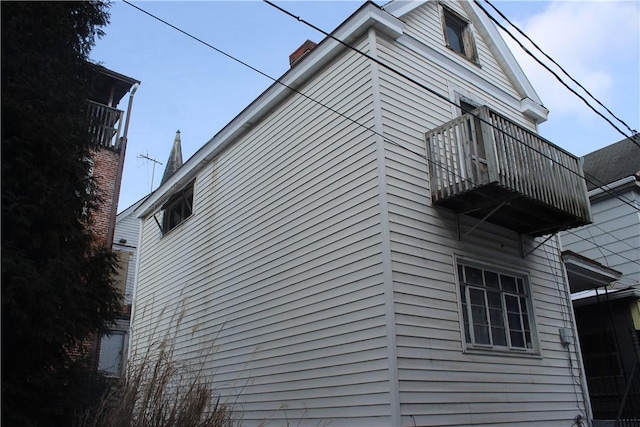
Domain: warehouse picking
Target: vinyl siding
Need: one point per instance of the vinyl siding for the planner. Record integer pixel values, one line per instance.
(439, 382)
(128, 228)
(614, 237)
(425, 25)
(277, 276)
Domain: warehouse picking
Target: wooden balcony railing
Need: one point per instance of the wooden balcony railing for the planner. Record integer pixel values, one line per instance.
(105, 125)
(482, 160)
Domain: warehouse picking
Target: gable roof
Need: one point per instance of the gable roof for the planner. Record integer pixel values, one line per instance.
(612, 163)
(386, 21)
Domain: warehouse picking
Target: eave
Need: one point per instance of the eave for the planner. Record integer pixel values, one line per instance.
(369, 15)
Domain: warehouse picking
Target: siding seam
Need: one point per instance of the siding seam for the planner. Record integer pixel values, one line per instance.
(392, 352)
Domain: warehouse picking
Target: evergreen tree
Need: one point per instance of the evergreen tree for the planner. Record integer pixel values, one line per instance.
(57, 284)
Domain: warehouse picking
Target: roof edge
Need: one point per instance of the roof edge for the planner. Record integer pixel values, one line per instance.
(369, 15)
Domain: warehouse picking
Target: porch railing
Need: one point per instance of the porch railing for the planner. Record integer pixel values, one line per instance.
(104, 125)
(483, 147)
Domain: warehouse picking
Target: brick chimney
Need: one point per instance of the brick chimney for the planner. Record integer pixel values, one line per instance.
(301, 52)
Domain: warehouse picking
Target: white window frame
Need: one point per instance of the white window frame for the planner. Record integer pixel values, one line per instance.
(521, 295)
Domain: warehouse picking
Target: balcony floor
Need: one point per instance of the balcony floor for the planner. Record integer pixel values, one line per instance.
(519, 213)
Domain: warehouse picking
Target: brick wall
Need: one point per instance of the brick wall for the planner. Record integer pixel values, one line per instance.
(105, 173)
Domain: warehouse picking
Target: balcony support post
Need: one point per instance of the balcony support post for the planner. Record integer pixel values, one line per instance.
(480, 222)
(537, 246)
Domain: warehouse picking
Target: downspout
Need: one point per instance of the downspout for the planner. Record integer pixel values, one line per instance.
(116, 189)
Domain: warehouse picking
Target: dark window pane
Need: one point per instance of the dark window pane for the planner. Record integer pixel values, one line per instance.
(514, 322)
(481, 333)
(497, 318)
(495, 300)
(517, 340)
(499, 336)
(508, 283)
(512, 304)
(479, 315)
(454, 34)
(520, 286)
(473, 275)
(491, 279)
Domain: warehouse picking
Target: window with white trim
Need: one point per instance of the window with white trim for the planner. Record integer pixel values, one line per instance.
(496, 309)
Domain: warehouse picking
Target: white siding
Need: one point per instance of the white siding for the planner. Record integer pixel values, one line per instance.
(614, 237)
(275, 285)
(128, 228)
(425, 25)
(279, 268)
(440, 383)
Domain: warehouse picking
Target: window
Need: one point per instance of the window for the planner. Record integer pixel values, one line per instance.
(496, 309)
(458, 35)
(177, 209)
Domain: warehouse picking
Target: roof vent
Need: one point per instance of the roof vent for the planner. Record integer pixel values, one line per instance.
(301, 52)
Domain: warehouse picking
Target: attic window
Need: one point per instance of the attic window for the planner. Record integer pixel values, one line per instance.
(177, 209)
(457, 34)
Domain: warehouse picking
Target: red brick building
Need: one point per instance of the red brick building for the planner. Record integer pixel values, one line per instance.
(109, 128)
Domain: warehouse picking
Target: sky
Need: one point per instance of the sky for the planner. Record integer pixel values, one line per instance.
(190, 87)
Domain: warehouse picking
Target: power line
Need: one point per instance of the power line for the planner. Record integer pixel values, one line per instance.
(278, 81)
(559, 66)
(494, 20)
(599, 247)
(443, 97)
(370, 129)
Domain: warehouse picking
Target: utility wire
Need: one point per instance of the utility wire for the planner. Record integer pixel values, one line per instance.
(522, 46)
(600, 247)
(445, 98)
(331, 109)
(278, 81)
(633, 132)
(344, 116)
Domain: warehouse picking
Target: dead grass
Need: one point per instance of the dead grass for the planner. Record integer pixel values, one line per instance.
(158, 391)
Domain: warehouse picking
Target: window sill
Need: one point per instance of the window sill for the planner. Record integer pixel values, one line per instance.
(483, 351)
(177, 227)
(473, 61)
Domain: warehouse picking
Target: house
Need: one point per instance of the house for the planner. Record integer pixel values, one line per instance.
(114, 346)
(109, 128)
(608, 312)
(379, 251)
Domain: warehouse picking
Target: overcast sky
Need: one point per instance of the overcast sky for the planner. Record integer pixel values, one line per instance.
(188, 86)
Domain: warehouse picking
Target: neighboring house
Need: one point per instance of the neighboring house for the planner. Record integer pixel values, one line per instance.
(608, 312)
(114, 347)
(375, 253)
(109, 126)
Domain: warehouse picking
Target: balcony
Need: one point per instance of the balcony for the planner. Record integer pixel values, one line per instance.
(104, 125)
(487, 167)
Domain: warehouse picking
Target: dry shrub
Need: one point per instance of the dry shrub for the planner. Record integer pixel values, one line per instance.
(158, 391)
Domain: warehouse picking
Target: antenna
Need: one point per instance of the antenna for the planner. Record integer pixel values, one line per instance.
(153, 171)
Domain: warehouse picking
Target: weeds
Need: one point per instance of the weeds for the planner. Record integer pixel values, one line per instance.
(158, 391)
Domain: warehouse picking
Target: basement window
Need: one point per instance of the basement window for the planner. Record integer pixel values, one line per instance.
(496, 309)
(177, 209)
(458, 35)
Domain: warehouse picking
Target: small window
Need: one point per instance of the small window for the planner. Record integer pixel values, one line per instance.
(496, 309)
(177, 209)
(458, 35)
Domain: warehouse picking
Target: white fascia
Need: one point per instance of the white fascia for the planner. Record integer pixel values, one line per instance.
(367, 16)
(530, 104)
